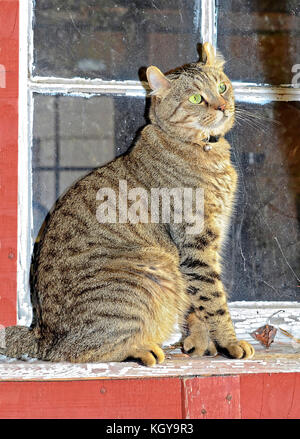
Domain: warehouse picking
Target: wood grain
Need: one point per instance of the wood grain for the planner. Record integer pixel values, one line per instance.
(270, 396)
(109, 399)
(212, 397)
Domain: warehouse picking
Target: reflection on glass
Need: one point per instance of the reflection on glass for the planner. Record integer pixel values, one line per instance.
(260, 39)
(113, 39)
(263, 253)
(72, 136)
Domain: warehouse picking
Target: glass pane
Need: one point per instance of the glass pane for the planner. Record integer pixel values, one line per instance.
(72, 136)
(113, 39)
(260, 39)
(263, 253)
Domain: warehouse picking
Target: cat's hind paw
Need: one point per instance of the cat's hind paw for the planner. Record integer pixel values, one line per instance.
(239, 349)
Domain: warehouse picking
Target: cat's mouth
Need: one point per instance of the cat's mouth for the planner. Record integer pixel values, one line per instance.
(220, 122)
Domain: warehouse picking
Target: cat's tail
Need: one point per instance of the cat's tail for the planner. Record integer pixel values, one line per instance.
(17, 341)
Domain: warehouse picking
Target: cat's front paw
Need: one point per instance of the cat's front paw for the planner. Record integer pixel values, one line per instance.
(149, 354)
(196, 347)
(239, 349)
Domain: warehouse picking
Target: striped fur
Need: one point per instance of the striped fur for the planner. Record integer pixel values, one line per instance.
(108, 292)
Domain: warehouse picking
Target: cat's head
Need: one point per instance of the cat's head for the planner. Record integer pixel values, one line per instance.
(195, 100)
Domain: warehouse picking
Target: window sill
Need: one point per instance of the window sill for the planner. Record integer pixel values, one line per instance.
(283, 356)
(279, 358)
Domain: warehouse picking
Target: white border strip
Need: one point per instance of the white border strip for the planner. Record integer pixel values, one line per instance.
(24, 168)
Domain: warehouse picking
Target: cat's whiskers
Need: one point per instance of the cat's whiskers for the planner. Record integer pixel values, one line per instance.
(253, 115)
(252, 123)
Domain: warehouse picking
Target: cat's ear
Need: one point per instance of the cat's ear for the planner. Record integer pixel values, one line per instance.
(157, 81)
(211, 57)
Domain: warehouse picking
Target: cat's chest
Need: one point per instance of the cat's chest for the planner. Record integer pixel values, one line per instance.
(219, 178)
(219, 191)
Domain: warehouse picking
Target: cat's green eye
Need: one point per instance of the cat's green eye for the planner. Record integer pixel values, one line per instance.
(196, 99)
(222, 87)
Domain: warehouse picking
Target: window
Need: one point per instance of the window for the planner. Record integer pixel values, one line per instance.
(82, 103)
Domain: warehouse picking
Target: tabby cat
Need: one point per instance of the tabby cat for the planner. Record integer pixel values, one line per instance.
(113, 291)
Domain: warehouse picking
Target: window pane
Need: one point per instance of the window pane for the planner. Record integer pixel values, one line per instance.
(113, 39)
(263, 254)
(260, 39)
(72, 136)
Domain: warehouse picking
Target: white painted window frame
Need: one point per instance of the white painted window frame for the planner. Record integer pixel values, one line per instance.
(29, 84)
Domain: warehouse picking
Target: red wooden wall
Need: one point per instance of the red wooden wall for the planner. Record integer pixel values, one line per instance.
(9, 65)
(253, 396)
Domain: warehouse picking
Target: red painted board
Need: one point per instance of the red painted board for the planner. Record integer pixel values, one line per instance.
(270, 396)
(101, 399)
(8, 18)
(211, 397)
(9, 73)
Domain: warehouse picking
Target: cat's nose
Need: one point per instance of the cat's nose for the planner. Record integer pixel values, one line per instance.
(222, 107)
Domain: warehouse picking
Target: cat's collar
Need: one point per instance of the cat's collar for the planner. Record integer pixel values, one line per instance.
(208, 140)
(213, 139)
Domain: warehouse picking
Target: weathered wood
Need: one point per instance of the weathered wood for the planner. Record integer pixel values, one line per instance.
(141, 399)
(8, 159)
(273, 361)
(212, 398)
(254, 396)
(283, 356)
(270, 396)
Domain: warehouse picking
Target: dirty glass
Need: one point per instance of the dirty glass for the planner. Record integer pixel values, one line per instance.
(263, 250)
(113, 39)
(260, 39)
(72, 136)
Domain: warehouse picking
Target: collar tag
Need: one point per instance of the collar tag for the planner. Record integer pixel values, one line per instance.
(212, 139)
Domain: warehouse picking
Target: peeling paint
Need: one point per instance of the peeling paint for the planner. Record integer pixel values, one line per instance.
(282, 356)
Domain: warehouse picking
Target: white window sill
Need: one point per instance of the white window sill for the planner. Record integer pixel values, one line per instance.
(283, 356)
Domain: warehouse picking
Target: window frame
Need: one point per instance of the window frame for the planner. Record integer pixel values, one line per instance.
(30, 84)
